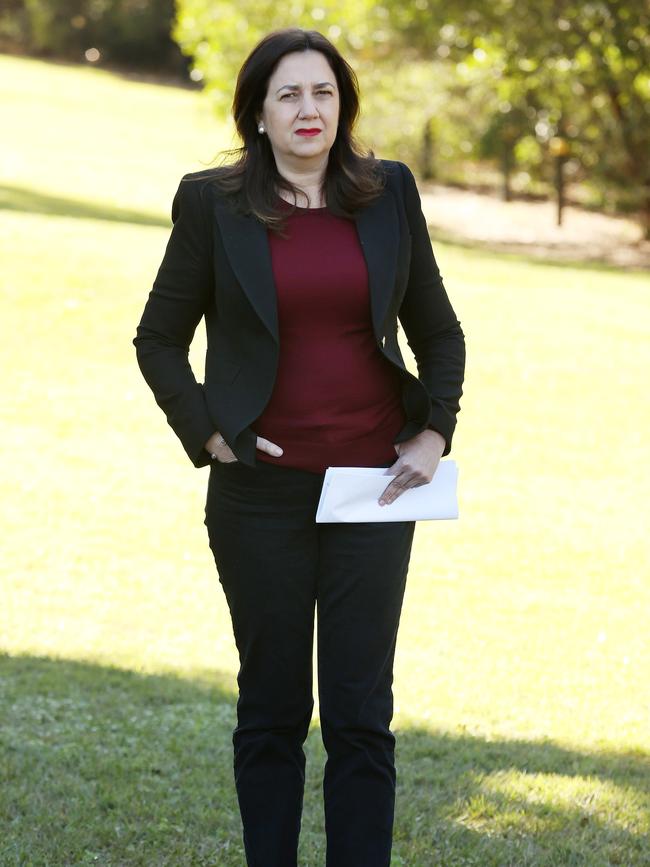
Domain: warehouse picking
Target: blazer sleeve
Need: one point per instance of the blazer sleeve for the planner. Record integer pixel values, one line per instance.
(432, 330)
(182, 291)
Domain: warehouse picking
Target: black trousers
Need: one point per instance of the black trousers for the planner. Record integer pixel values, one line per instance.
(276, 565)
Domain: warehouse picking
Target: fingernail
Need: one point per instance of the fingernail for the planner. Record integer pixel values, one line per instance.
(382, 502)
(277, 451)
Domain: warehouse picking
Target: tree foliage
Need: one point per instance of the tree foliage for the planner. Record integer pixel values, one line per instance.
(575, 69)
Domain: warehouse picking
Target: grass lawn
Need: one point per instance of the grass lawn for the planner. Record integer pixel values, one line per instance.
(522, 679)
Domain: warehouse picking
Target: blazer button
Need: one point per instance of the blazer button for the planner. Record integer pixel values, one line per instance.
(383, 340)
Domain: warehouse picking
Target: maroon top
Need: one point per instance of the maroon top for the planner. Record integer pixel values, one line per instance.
(336, 400)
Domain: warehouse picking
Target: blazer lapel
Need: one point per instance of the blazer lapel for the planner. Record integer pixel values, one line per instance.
(246, 243)
(379, 234)
(247, 246)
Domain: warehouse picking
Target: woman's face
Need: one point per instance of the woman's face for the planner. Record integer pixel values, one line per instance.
(302, 94)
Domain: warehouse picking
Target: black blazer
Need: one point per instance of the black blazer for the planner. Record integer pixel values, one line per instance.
(217, 265)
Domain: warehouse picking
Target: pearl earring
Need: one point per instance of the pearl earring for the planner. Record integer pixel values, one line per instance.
(260, 127)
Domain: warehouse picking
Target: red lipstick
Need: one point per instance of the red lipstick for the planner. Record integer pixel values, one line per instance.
(308, 131)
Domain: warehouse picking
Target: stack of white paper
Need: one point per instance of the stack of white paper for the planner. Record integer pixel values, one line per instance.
(351, 494)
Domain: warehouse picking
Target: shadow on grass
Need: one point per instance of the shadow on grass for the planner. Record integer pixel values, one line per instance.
(13, 198)
(112, 767)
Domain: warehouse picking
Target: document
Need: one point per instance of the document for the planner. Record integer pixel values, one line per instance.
(351, 494)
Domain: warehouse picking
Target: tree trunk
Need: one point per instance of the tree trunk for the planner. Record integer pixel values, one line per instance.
(506, 162)
(427, 148)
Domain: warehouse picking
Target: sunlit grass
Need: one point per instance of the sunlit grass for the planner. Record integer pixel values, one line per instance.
(522, 686)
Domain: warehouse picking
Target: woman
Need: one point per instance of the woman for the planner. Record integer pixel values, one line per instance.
(302, 256)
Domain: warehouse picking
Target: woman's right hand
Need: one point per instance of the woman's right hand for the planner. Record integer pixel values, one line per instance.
(222, 452)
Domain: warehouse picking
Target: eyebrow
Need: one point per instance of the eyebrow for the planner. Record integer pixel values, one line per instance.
(297, 86)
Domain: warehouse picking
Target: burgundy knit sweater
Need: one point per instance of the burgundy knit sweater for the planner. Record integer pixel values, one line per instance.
(336, 399)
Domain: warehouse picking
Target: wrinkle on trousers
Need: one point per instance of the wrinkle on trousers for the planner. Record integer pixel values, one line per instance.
(276, 565)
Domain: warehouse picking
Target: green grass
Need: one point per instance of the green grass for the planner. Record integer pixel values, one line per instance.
(522, 687)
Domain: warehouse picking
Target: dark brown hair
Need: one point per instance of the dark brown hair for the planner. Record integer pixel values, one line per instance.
(352, 179)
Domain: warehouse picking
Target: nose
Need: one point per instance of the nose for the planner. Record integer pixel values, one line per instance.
(308, 107)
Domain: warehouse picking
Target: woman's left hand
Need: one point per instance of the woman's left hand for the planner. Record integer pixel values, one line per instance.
(417, 462)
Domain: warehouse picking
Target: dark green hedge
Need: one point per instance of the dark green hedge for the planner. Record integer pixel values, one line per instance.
(131, 32)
